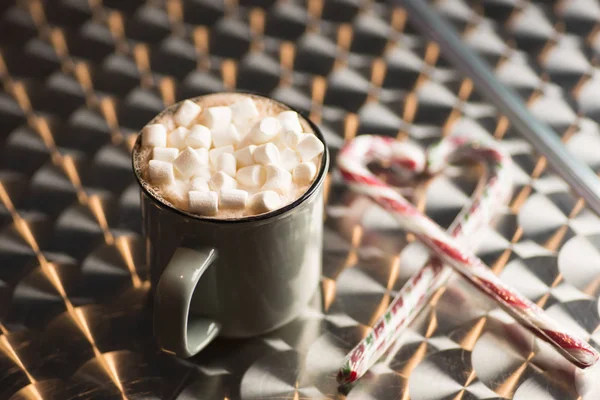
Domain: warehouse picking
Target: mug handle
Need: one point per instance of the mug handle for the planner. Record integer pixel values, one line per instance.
(176, 331)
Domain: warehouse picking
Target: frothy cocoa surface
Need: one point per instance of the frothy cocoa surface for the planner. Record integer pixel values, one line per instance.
(266, 108)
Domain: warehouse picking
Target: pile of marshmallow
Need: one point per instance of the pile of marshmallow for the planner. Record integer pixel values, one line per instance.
(228, 157)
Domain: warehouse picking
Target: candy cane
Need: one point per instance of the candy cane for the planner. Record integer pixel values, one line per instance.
(416, 293)
(352, 162)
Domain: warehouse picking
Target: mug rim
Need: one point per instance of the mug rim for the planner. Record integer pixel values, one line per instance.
(251, 218)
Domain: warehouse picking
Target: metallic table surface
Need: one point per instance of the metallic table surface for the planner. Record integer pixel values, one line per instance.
(80, 77)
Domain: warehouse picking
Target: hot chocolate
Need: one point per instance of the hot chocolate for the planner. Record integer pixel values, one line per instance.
(228, 155)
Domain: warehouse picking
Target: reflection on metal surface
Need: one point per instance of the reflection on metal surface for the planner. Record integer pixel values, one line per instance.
(125, 250)
(80, 78)
(446, 374)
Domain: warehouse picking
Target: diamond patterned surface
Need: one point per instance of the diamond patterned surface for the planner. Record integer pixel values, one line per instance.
(80, 77)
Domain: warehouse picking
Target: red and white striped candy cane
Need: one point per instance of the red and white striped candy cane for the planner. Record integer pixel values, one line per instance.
(352, 163)
(417, 291)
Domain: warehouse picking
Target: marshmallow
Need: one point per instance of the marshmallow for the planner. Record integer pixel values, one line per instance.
(177, 193)
(168, 123)
(200, 184)
(203, 154)
(289, 159)
(291, 139)
(177, 137)
(233, 198)
(266, 154)
(154, 135)
(199, 137)
(189, 162)
(275, 171)
(264, 130)
(244, 156)
(167, 154)
(304, 173)
(225, 137)
(244, 114)
(160, 172)
(278, 179)
(203, 175)
(264, 202)
(226, 163)
(309, 147)
(203, 203)
(187, 113)
(215, 153)
(252, 176)
(289, 121)
(279, 142)
(217, 118)
(220, 180)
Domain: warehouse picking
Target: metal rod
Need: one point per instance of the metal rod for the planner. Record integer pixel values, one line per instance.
(543, 138)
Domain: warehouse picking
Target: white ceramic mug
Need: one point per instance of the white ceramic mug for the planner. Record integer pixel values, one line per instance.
(236, 278)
